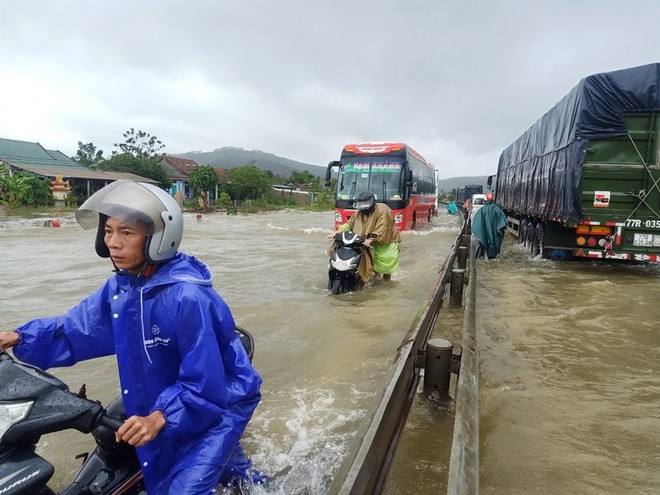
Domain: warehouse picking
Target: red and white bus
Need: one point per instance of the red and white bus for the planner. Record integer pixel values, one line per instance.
(395, 173)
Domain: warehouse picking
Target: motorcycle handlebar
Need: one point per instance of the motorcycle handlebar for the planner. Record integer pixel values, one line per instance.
(358, 238)
(110, 422)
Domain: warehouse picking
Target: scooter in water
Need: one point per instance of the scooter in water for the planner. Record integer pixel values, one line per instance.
(33, 403)
(345, 257)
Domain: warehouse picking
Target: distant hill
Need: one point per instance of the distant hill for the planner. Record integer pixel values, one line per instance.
(447, 185)
(230, 157)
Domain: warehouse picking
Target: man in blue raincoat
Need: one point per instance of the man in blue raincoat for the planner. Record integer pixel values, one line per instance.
(488, 226)
(187, 383)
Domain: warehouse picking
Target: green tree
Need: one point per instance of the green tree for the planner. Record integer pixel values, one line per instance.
(248, 182)
(24, 189)
(326, 199)
(140, 144)
(144, 166)
(204, 179)
(88, 154)
(224, 200)
(305, 177)
(40, 193)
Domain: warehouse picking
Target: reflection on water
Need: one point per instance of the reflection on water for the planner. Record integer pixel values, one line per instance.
(568, 353)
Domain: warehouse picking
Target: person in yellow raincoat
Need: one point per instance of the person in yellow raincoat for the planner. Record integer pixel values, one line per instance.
(375, 218)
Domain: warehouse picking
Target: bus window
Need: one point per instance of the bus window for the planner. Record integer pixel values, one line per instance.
(385, 182)
(380, 175)
(353, 178)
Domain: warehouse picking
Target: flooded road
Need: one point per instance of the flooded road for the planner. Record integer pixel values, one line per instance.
(322, 357)
(568, 353)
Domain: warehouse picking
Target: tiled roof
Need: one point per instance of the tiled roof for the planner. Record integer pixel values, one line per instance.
(176, 164)
(25, 152)
(35, 158)
(82, 173)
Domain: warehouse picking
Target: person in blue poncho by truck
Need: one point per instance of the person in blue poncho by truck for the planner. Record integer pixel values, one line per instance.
(187, 383)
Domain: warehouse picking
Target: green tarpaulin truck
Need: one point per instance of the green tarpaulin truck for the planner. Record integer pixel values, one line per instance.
(584, 180)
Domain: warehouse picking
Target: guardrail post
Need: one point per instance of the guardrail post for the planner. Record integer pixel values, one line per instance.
(462, 256)
(437, 368)
(457, 285)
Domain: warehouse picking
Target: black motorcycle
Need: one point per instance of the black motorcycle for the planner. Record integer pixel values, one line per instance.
(345, 257)
(33, 403)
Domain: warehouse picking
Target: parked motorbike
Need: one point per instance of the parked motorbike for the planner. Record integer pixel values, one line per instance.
(33, 403)
(345, 256)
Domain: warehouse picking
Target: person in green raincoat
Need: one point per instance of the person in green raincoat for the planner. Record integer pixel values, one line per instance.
(488, 226)
(375, 218)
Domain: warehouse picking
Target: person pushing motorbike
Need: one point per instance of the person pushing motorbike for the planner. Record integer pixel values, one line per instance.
(187, 383)
(376, 222)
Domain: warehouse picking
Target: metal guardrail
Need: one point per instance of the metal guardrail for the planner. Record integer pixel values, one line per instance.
(464, 459)
(365, 468)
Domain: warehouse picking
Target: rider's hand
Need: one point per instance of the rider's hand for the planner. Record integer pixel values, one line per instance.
(332, 236)
(8, 339)
(140, 430)
(367, 242)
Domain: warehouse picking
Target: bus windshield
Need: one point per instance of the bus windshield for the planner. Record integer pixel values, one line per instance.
(379, 174)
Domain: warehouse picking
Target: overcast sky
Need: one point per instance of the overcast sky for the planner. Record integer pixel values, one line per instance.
(457, 80)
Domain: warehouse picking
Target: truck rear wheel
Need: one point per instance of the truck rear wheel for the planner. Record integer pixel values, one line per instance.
(522, 232)
(536, 246)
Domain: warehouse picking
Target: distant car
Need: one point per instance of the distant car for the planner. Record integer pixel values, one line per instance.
(477, 201)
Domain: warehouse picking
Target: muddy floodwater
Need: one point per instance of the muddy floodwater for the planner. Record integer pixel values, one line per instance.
(568, 353)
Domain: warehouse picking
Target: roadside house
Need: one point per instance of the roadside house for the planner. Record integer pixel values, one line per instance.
(58, 168)
(178, 171)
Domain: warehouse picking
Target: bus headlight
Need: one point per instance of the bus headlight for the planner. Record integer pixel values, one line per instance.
(337, 216)
(398, 218)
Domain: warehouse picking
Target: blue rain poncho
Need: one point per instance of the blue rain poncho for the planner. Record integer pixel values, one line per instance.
(177, 352)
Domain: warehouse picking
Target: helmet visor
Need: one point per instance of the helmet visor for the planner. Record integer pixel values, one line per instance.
(365, 205)
(126, 200)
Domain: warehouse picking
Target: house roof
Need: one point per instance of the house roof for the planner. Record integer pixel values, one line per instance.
(222, 173)
(33, 157)
(177, 168)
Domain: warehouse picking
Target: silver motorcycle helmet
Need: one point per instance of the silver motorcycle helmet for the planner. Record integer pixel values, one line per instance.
(135, 201)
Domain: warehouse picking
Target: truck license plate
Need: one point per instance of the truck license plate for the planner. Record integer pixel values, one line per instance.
(643, 240)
